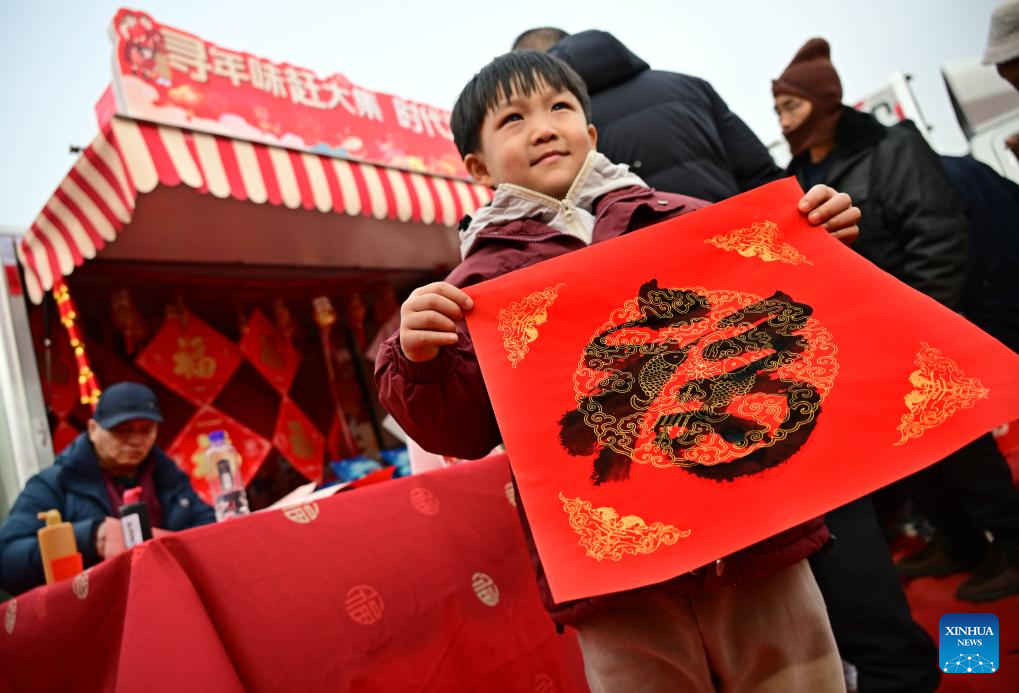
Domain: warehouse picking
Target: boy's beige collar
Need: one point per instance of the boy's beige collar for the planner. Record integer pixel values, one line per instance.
(572, 215)
(570, 200)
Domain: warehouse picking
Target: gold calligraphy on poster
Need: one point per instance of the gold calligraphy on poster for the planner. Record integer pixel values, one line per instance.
(199, 465)
(762, 240)
(300, 443)
(190, 360)
(606, 534)
(270, 352)
(940, 389)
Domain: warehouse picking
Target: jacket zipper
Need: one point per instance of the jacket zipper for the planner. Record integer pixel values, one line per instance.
(564, 206)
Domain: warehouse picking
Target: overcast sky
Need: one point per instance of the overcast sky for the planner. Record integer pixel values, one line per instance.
(56, 55)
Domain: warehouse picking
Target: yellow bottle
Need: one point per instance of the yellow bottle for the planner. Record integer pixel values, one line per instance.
(56, 540)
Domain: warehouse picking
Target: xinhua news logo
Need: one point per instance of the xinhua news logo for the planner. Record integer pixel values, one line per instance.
(968, 643)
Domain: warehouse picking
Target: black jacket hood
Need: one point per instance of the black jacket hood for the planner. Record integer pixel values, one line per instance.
(599, 58)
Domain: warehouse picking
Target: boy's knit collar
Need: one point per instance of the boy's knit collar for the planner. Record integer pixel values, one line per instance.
(573, 215)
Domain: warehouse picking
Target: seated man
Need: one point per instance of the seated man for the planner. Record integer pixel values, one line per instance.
(86, 484)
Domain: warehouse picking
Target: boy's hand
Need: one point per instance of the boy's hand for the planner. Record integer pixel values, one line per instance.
(834, 210)
(427, 319)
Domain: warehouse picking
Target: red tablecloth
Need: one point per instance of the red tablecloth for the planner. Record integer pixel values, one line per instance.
(421, 583)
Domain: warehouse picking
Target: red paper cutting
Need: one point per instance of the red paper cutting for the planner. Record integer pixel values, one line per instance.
(682, 392)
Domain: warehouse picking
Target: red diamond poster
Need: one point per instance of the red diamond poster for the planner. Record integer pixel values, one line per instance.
(679, 393)
(270, 352)
(190, 358)
(188, 448)
(299, 441)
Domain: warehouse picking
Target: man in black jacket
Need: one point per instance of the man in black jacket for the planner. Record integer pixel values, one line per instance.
(673, 130)
(913, 227)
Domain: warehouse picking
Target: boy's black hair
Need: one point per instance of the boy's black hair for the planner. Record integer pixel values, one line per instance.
(522, 72)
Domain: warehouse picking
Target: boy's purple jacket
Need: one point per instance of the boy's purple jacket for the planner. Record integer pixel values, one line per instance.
(444, 406)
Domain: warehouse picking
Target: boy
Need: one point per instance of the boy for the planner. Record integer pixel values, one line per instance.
(522, 125)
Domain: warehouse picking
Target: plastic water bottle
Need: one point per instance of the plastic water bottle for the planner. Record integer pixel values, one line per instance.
(223, 466)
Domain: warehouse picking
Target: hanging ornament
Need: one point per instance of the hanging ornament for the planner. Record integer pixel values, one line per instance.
(190, 357)
(325, 317)
(284, 320)
(127, 320)
(270, 352)
(325, 314)
(355, 318)
(385, 305)
(299, 441)
(188, 448)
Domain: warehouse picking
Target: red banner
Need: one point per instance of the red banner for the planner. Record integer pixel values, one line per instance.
(166, 75)
(188, 448)
(682, 392)
(299, 441)
(270, 352)
(190, 358)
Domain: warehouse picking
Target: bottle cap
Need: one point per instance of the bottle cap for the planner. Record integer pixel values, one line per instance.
(52, 517)
(132, 495)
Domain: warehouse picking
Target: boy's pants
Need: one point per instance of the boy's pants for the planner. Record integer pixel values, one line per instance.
(763, 636)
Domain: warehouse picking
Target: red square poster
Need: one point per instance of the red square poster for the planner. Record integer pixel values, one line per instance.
(679, 393)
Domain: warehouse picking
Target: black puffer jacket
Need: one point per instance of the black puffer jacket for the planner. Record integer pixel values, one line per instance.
(673, 130)
(913, 224)
(991, 296)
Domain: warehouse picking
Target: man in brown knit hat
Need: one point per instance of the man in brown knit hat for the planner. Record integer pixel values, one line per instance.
(913, 227)
(917, 233)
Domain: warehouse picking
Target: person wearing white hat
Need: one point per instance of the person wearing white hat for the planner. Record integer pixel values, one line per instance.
(1002, 49)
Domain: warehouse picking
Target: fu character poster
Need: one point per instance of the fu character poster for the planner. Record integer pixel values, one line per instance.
(684, 391)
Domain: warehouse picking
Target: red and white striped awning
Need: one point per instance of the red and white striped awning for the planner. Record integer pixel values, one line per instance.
(128, 158)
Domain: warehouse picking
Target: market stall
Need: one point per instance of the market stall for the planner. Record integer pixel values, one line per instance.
(235, 235)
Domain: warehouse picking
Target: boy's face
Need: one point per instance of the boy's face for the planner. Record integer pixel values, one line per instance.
(538, 141)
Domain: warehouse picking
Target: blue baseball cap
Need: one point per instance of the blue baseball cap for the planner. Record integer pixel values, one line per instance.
(124, 402)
